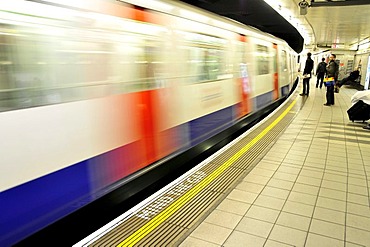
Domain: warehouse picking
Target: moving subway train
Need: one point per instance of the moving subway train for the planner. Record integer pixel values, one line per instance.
(93, 91)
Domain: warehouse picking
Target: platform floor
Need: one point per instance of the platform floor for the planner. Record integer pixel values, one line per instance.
(310, 189)
(307, 184)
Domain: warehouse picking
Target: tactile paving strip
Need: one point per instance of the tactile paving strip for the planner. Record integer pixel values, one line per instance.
(176, 224)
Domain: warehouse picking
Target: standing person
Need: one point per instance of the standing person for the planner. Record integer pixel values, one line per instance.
(307, 75)
(332, 70)
(320, 72)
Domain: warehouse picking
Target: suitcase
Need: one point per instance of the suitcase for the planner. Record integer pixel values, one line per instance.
(360, 111)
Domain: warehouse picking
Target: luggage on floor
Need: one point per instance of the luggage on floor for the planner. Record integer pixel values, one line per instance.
(359, 111)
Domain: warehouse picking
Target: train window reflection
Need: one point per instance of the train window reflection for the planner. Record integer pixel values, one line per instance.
(205, 58)
(284, 61)
(75, 59)
(263, 60)
(240, 59)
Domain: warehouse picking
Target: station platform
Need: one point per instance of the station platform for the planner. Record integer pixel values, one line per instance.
(301, 177)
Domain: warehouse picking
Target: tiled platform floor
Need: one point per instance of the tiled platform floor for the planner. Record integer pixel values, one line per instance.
(311, 189)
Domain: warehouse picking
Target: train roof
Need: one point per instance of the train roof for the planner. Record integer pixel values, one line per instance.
(255, 13)
(212, 18)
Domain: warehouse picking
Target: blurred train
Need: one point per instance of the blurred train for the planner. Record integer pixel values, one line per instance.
(93, 91)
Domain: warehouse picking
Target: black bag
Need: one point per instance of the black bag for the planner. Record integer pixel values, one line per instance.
(359, 111)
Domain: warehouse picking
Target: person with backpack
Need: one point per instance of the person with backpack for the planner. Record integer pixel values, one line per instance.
(320, 72)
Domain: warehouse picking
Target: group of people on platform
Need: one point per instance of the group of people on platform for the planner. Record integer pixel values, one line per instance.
(324, 70)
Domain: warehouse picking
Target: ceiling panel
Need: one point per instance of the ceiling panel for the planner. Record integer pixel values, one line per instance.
(338, 22)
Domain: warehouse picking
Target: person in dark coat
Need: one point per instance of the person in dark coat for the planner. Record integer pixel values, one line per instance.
(332, 70)
(307, 75)
(320, 72)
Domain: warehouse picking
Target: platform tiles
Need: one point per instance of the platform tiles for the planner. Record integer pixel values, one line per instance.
(310, 189)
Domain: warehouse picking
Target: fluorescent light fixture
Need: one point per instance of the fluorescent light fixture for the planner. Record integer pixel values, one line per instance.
(364, 46)
(364, 41)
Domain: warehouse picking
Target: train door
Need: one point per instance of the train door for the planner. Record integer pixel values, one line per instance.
(292, 68)
(243, 76)
(283, 72)
(275, 72)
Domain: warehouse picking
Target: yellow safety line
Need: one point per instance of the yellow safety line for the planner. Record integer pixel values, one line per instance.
(176, 205)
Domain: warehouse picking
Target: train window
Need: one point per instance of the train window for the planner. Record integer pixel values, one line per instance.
(275, 60)
(145, 56)
(291, 62)
(240, 59)
(263, 60)
(138, 63)
(142, 65)
(204, 57)
(24, 67)
(55, 61)
(6, 71)
(283, 62)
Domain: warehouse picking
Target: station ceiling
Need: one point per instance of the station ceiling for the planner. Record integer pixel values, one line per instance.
(337, 24)
(331, 24)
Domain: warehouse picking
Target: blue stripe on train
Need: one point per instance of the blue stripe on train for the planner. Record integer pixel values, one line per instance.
(263, 100)
(31, 206)
(205, 127)
(285, 90)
